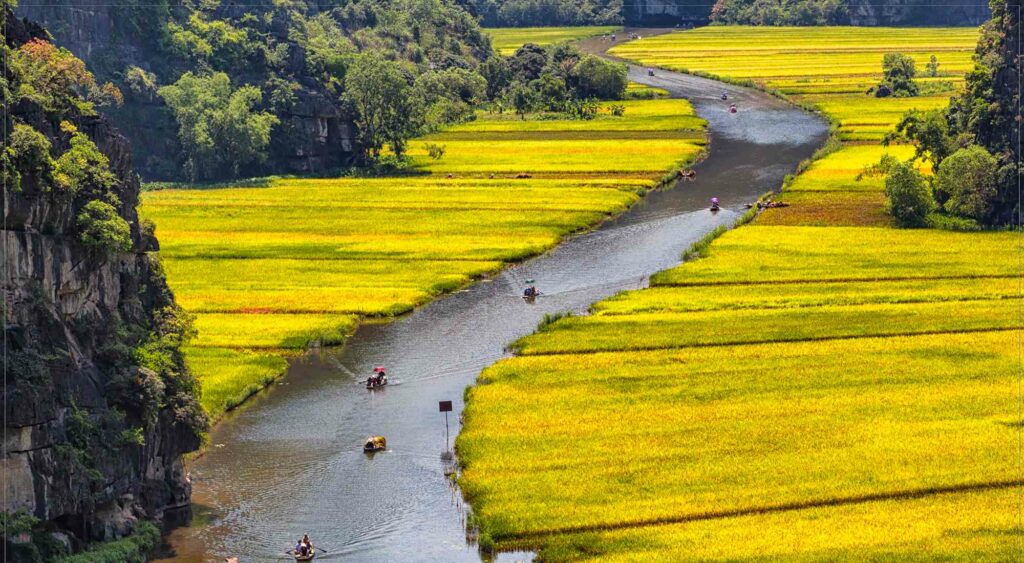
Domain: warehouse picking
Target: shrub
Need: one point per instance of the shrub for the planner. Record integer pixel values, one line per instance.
(133, 548)
(30, 153)
(435, 151)
(910, 201)
(83, 169)
(965, 183)
(948, 223)
(618, 110)
(101, 228)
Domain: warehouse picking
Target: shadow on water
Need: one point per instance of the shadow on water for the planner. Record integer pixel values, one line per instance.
(291, 463)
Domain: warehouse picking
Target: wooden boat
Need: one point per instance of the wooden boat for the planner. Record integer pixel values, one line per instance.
(307, 557)
(375, 444)
(377, 382)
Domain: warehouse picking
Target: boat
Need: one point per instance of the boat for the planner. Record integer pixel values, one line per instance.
(732, 108)
(375, 444)
(307, 557)
(376, 382)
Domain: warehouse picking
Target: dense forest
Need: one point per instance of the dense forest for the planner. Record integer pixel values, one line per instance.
(527, 13)
(266, 79)
(99, 405)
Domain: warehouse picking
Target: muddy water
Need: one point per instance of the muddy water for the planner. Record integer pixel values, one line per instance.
(291, 462)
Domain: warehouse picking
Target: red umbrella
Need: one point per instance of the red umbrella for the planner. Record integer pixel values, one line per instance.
(378, 369)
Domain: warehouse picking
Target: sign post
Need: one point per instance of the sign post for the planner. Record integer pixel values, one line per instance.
(445, 407)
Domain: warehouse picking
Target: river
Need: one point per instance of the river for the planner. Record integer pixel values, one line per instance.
(291, 462)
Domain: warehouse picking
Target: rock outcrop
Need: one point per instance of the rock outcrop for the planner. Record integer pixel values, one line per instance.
(913, 12)
(99, 407)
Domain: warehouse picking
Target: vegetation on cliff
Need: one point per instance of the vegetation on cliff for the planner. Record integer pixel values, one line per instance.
(275, 73)
(100, 406)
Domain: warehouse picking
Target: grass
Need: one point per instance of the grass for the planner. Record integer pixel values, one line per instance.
(505, 40)
(272, 268)
(815, 386)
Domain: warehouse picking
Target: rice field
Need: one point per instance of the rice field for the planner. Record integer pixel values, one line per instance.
(505, 40)
(815, 386)
(270, 270)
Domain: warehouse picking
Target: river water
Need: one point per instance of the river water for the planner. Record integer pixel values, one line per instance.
(291, 462)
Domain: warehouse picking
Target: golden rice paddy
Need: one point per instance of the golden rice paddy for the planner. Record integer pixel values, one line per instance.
(818, 386)
(271, 270)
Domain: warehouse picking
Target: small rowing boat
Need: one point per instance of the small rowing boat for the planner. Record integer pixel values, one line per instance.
(375, 444)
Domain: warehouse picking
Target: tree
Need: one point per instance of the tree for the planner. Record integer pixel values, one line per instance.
(523, 98)
(933, 66)
(989, 109)
(551, 91)
(55, 79)
(219, 128)
(910, 202)
(597, 78)
(965, 183)
(897, 76)
(498, 75)
(387, 111)
(528, 62)
(449, 95)
(328, 51)
(928, 131)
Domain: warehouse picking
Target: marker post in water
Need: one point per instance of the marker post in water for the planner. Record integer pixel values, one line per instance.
(445, 407)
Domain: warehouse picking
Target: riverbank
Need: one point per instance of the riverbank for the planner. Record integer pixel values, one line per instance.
(790, 384)
(270, 270)
(398, 505)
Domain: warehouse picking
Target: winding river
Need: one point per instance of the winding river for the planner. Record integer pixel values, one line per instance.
(291, 463)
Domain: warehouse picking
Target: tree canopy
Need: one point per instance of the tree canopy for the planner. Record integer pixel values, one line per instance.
(218, 125)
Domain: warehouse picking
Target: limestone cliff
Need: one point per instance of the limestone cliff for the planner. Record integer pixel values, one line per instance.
(99, 407)
(806, 12)
(315, 134)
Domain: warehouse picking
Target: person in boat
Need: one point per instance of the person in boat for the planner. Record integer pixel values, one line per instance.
(714, 203)
(531, 292)
(725, 95)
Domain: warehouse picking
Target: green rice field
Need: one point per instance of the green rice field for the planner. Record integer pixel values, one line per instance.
(815, 386)
(270, 270)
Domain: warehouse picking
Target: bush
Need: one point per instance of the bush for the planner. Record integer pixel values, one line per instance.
(102, 229)
(435, 151)
(83, 169)
(132, 549)
(965, 183)
(910, 201)
(948, 223)
(618, 110)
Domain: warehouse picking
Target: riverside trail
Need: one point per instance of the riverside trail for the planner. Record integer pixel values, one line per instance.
(291, 462)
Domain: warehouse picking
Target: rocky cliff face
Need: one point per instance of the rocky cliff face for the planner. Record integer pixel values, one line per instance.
(912, 12)
(314, 136)
(849, 12)
(99, 406)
